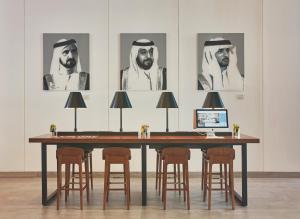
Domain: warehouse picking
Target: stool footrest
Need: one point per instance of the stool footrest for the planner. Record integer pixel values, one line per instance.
(117, 183)
(117, 189)
(117, 173)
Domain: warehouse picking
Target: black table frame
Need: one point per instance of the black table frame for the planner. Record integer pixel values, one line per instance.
(243, 198)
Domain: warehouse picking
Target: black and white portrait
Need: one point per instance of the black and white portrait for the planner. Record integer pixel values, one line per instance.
(143, 61)
(66, 61)
(221, 61)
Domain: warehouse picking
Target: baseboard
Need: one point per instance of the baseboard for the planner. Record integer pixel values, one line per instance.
(152, 174)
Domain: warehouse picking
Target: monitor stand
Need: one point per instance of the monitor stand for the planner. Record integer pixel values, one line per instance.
(211, 134)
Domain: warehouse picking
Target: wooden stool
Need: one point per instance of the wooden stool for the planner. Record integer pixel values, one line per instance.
(68, 156)
(75, 174)
(217, 177)
(158, 173)
(176, 155)
(220, 155)
(116, 155)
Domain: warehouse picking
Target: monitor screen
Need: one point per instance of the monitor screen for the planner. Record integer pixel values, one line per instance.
(211, 118)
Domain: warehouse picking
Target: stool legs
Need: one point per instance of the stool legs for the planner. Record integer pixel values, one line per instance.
(209, 185)
(90, 173)
(185, 179)
(203, 172)
(80, 186)
(207, 179)
(164, 193)
(156, 171)
(107, 183)
(186, 185)
(127, 184)
(87, 178)
(231, 176)
(158, 174)
(226, 185)
(67, 181)
(179, 182)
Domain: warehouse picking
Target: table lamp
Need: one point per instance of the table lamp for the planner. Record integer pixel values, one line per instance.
(212, 100)
(167, 101)
(121, 101)
(75, 101)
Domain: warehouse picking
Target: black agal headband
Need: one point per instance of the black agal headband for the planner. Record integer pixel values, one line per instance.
(68, 42)
(217, 43)
(135, 43)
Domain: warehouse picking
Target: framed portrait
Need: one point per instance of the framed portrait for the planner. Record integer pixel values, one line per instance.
(66, 61)
(220, 62)
(143, 61)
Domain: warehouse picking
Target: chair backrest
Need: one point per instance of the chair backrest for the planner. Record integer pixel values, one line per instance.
(116, 152)
(176, 154)
(220, 154)
(69, 155)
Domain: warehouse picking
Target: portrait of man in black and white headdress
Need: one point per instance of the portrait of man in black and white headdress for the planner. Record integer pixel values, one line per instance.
(220, 69)
(144, 71)
(66, 72)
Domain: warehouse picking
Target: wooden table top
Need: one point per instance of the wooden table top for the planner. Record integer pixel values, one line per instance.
(184, 139)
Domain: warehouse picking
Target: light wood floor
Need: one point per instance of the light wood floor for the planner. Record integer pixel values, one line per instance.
(268, 198)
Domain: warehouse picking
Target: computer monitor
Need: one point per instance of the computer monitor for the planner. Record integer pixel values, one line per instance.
(211, 118)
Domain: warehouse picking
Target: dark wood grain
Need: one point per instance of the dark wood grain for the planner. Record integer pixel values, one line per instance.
(134, 139)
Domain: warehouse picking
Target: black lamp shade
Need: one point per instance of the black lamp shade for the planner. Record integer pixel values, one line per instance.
(213, 100)
(167, 100)
(75, 100)
(120, 100)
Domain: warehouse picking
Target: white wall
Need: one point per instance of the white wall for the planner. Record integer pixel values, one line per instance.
(43, 108)
(265, 24)
(12, 85)
(281, 22)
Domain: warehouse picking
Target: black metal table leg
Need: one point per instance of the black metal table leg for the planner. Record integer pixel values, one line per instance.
(144, 175)
(244, 176)
(45, 198)
(244, 198)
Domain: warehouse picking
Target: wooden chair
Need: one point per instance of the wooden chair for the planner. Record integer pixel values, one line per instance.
(219, 155)
(176, 156)
(68, 156)
(116, 155)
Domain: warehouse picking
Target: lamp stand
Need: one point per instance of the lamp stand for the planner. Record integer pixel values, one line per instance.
(75, 129)
(167, 119)
(121, 129)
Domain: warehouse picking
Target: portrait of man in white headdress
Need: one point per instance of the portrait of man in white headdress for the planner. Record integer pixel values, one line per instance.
(65, 72)
(219, 68)
(143, 72)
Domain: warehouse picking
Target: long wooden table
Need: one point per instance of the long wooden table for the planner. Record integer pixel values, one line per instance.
(131, 139)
